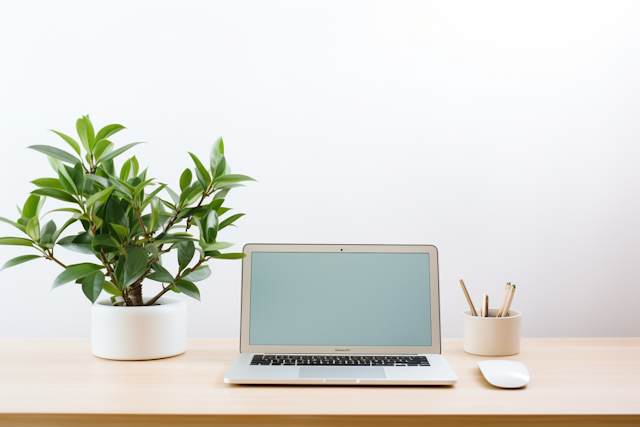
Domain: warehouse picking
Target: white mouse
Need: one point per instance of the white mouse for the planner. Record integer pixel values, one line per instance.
(504, 373)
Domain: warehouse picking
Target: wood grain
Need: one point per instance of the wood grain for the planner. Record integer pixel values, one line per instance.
(59, 382)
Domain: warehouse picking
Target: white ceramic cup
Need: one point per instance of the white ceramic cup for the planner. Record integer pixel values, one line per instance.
(491, 336)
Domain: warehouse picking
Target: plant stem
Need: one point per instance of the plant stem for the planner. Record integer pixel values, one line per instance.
(125, 296)
(204, 195)
(52, 258)
(108, 267)
(154, 299)
(144, 230)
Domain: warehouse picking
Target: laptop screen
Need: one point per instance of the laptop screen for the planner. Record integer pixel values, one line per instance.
(340, 299)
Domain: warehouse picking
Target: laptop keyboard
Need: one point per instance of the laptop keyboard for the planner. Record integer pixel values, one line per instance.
(300, 360)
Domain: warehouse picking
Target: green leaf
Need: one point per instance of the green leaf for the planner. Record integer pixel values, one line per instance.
(139, 189)
(217, 151)
(19, 260)
(15, 224)
(211, 227)
(223, 210)
(109, 167)
(135, 167)
(31, 206)
(73, 210)
(105, 242)
(115, 214)
(46, 233)
(171, 238)
(220, 195)
(75, 272)
(230, 220)
(135, 265)
(80, 243)
(107, 131)
(201, 172)
(56, 153)
(85, 132)
(218, 246)
(188, 289)
(92, 285)
(232, 178)
(122, 231)
(176, 199)
(229, 185)
(99, 179)
(185, 179)
(152, 249)
(72, 142)
(124, 172)
(102, 147)
(230, 256)
(161, 274)
(76, 174)
(100, 196)
(218, 171)
(198, 274)
(33, 228)
(111, 289)
(155, 214)
(117, 152)
(56, 194)
(66, 224)
(15, 241)
(48, 183)
(215, 205)
(186, 250)
(66, 181)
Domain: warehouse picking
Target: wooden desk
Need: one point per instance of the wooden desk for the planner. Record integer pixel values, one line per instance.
(574, 381)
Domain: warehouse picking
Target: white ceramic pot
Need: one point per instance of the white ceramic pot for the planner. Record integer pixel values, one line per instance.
(491, 336)
(139, 333)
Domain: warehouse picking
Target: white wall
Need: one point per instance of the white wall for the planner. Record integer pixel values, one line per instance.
(505, 133)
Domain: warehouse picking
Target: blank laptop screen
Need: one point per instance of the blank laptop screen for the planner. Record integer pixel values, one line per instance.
(340, 299)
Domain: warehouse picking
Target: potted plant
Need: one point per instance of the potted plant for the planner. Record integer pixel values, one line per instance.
(127, 230)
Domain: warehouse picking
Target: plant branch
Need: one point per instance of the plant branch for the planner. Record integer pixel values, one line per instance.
(108, 267)
(52, 258)
(125, 297)
(144, 230)
(204, 196)
(154, 299)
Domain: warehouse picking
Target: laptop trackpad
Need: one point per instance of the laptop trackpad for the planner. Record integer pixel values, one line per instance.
(341, 372)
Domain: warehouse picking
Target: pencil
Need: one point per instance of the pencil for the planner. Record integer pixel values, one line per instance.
(484, 310)
(504, 299)
(466, 294)
(505, 313)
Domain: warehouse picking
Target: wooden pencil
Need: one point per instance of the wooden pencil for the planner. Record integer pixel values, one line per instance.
(466, 294)
(507, 289)
(505, 313)
(484, 310)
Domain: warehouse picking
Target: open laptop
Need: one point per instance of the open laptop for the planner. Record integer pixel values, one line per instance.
(340, 314)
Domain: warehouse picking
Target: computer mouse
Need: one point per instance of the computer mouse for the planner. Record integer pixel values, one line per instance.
(504, 373)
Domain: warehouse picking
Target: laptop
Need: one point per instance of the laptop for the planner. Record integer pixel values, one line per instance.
(340, 315)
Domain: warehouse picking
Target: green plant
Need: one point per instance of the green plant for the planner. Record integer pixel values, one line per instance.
(127, 243)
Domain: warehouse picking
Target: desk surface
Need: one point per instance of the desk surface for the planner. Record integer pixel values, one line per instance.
(572, 380)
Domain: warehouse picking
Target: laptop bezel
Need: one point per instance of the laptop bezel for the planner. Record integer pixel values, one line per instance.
(245, 347)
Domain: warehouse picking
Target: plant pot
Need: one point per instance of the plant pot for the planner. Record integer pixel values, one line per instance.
(139, 333)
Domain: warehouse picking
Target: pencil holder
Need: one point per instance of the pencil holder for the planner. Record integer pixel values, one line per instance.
(491, 336)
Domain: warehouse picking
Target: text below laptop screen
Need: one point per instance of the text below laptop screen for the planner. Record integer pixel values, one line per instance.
(340, 299)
